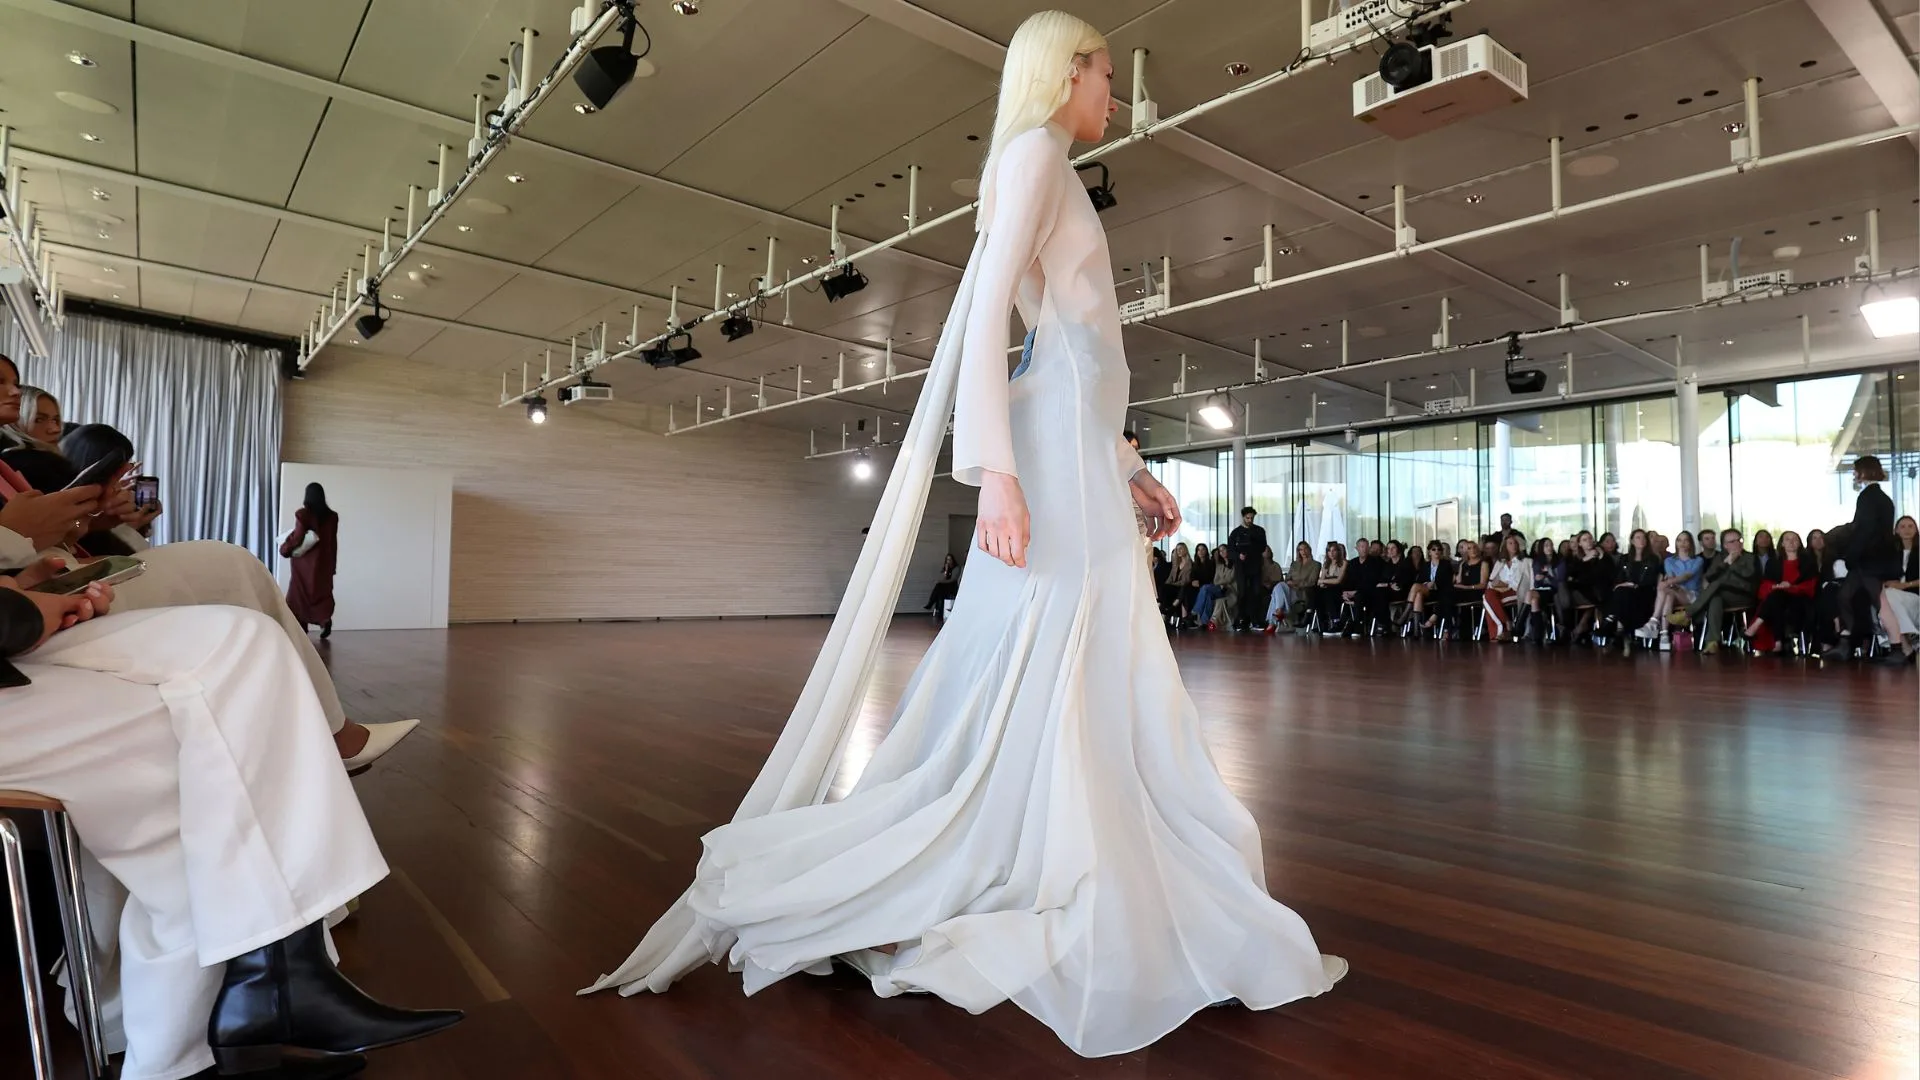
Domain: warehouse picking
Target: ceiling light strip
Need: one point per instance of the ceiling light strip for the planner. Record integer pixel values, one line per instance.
(332, 321)
(1736, 300)
(39, 314)
(833, 266)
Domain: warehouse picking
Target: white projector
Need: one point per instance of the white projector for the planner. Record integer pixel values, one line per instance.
(586, 391)
(1454, 81)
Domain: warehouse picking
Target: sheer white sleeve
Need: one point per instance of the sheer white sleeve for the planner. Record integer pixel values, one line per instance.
(1026, 185)
(16, 551)
(1130, 460)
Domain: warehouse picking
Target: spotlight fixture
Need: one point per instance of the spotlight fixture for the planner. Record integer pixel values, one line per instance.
(686, 7)
(1525, 380)
(537, 409)
(372, 322)
(1621, 283)
(666, 354)
(1890, 316)
(845, 283)
(736, 326)
(1102, 192)
(1476, 199)
(1238, 68)
(1218, 412)
(464, 228)
(100, 195)
(862, 467)
(515, 178)
(89, 136)
(584, 109)
(605, 71)
(80, 58)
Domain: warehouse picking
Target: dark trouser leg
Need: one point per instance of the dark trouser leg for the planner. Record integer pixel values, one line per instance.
(1252, 606)
(1859, 595)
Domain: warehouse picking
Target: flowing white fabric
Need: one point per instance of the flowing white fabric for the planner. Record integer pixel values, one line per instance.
(1043, 823)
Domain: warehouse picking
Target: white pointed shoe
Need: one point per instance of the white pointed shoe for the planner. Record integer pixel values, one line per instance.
(1335, 967)
(380, 739)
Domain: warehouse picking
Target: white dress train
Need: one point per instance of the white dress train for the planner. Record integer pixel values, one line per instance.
(1043, 823)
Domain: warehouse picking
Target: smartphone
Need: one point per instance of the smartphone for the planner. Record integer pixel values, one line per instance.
(146, 492)
(100, 471)
(109, 571)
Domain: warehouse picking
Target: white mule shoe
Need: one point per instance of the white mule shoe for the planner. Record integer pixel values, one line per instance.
(380, 739)
(1336, 968)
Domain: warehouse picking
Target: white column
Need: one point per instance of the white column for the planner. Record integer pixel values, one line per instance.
(1622, 525)
(1502, 472)
(1239, 480)
(1686, 390)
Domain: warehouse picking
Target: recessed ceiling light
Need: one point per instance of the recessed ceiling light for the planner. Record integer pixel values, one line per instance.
(116, 296)
(1237, 69)
(395, 296)
(1433, 386)
(1621, 283)
(515, 178)
(1734, 128)
(584, 109)
(1727, 341)
(101, 195)
(89, 136)
(1849, 238)
(80, 58)
(1306, 344)
(1475, 199)
(426, 266)
(1283, 251)
(464, 228)
(102, 234)
(108, 270)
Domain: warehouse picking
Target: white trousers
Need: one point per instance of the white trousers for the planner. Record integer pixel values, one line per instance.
(191, 752)
(210, 572)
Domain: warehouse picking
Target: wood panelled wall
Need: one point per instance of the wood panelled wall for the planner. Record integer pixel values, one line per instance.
(590, 517)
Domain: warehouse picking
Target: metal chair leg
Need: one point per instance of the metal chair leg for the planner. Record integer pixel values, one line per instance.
(16, 866)
(78, 930)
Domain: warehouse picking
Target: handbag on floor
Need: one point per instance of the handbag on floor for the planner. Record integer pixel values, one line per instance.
(1682, 641)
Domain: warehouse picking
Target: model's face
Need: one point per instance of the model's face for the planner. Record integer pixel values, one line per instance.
(1091, 103)
(9, 394)
(1246, 519)
(46, 420)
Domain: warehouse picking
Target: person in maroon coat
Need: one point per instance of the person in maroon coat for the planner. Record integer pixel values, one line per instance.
(310, 589)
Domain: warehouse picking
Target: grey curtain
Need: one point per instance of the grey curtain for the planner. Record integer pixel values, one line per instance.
(203, 414)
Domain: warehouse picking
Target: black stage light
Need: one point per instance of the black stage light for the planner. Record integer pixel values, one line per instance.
(845, 283)
(1102, 192)
(1406, 66)
(736, 327)
(537, 409)
(607, 70)
(665, 354)
(372, 322)
(1526, 380)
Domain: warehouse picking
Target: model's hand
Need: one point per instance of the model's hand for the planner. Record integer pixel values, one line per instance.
(1157, 503)
(1004, 528)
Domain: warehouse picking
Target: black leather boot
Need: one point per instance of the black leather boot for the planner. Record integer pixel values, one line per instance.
(289, 995)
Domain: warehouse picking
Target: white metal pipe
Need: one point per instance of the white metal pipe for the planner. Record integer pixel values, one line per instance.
(1554, 146)
(413, 194)
(493, 144)
(1266, 247)
(673, 315)
(1632, 195)
(1345, 343)
(1399, 212)
(833, 233)
(1140, 79)
(1706, 270)
(440, 174)
(1446, 321)
(719, 274)
(766, 280)
(1473, 386)
(1753, 118)
(1873, 240)
(913, 196)
(386, 239)
(633, 334)
(479, 117)
(526, 63)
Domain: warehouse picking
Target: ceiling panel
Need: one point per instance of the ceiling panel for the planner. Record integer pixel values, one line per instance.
(651, 231)
(537, 306)
(183, 232)
(218, 130)
(998, 19)
(797, 137)
(35, 71)
(312, 38)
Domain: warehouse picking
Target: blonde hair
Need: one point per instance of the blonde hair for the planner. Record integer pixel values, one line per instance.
(1044, 55)
(22, 427)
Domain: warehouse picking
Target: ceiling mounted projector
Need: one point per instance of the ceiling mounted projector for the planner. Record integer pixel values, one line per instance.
(585, 390)
(1420, 88)
(1525, 380)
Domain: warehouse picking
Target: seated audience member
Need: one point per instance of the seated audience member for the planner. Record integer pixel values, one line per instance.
(1582, 583)
(1217, 591)
(1179, 570)
(1362, 577)
(1907, 577)
(1546, 584)
(1460, 550)
(177, 575)
(1730, 584)
(1332, 587)
(1294, 596)
(1433, 593)
(1900, 618)
(1635, 586)
(1470, 578)
(1508, 584)
(1199, 576)
(1764, 558)
(1273, 585)
(38, 426)
(194, 760)
(947, 586)
(1824, 627)
(1785, 597)
(1679, 585)
(1709, 548)
(1393, 580)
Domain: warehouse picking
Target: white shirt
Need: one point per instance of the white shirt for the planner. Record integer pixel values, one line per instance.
(1515, 574)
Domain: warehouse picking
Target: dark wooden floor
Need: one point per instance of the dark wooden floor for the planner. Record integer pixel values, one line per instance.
(1540, 864)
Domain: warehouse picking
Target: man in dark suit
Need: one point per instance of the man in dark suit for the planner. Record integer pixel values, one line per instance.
(1246, 546)
(1733, 582)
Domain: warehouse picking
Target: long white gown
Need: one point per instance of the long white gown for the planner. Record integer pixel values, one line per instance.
(1043, 823)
